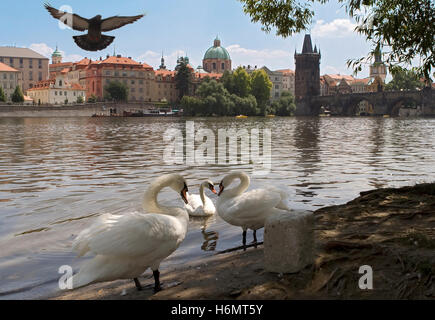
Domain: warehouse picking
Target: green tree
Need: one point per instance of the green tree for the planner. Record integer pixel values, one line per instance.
(92, 98)
(404, 27)
(284, 106)
(246, 106)
(241, 82)
(116, 91)
(404, 79)
(261, 87)
(80, 99)
(228, 81)
(17, 96)
(183, 79)
(2, 95)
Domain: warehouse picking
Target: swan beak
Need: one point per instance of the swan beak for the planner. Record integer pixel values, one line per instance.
(213, 190)
(184, 195)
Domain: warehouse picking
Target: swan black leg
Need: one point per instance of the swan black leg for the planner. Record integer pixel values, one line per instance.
(138, 285)
(244, 240)
(157, 286)
(255, 238)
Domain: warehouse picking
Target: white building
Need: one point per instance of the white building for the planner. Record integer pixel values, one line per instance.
(58, 91)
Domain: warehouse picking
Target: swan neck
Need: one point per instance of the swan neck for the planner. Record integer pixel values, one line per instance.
(202, 194)
(244, 184)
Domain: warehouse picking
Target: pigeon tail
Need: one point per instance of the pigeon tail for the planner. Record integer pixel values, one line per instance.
(84, 42)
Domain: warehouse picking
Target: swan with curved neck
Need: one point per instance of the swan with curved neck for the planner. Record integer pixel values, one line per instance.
(247, 210)
(201, 205)
(125, 246)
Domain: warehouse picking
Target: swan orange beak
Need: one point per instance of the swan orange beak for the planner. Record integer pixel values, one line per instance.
(213, 190)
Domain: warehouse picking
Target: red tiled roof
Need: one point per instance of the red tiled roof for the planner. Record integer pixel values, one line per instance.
(62, 64)
(120, 60)
(44, 84)
(164, 73)
(286, 71)
(5, 67)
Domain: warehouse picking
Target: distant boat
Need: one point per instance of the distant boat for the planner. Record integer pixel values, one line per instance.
(270, 116)
(386, 116)
(241, 117)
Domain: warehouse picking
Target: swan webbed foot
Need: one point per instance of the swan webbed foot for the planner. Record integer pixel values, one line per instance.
(157, 286)
(138, 285)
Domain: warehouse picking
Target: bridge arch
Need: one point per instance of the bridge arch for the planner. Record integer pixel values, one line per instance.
(404, 102)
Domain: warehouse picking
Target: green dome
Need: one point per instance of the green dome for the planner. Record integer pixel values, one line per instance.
(56, 53)
(217, 52)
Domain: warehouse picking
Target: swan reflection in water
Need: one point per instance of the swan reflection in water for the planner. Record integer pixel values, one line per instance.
(210, 237)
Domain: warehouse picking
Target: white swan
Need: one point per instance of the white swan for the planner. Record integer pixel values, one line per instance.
(201, 205)
(248, 210)
(125, 246)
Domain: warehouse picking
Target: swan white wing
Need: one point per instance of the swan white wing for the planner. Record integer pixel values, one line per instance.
(249, 205)
(194, 201)
(130, 235)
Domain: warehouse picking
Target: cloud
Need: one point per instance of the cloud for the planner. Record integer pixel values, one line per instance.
(47, 51)
(274, 59)
(337, 28)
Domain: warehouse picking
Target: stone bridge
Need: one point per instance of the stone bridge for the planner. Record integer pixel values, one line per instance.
(383, 103)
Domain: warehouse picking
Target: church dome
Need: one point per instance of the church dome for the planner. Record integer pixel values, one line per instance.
(56, 53)
(217, 52)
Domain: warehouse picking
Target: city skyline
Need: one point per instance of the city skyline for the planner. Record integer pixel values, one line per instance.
(332, 31)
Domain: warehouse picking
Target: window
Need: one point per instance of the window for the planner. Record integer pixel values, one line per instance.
(21, 63)
(30, 63)
(223, 66)
(60, 83)
(214, 65)
(140, 81)
(55, 93)
(11, 61)
(65, 93)
(40, 64)
(30, 75)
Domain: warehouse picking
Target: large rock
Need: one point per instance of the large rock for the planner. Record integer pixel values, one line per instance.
(289, 241)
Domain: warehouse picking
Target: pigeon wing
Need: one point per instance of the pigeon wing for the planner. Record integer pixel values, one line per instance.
(78, 23)
(116, 22)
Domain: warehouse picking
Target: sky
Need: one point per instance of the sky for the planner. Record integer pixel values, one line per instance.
(185, 27)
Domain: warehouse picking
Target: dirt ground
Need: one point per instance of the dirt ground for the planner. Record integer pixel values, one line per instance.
(391, 230)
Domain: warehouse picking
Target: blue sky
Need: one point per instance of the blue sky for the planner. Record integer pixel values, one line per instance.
(185, 27)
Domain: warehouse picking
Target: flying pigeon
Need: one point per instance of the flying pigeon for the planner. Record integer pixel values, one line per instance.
(94, 40)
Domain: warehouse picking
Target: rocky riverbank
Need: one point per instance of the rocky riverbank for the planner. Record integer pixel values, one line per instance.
(391, 230)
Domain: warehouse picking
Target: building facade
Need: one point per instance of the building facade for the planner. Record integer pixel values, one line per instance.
(288, 80)
(307, 74)
(10, 78)
(32, 65)
(216, 59)
(57, 91)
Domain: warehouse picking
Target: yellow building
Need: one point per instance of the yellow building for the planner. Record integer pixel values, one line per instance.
(10, 78)
(32, 65)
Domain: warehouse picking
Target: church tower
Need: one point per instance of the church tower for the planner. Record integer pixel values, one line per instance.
(378, 69)
(307, 74)
(56, 57)
(162, 65)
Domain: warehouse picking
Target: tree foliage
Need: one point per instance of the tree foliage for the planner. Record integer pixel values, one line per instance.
(214, 99)
(404, 79)
(241, 82)
(92, 98)
(285, 106)
(402, 29)
(261, 87)
(2, 95)
(183, 79)
(116, 91)
(17, 96)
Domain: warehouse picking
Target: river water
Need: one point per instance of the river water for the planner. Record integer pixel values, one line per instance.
(58, 174)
